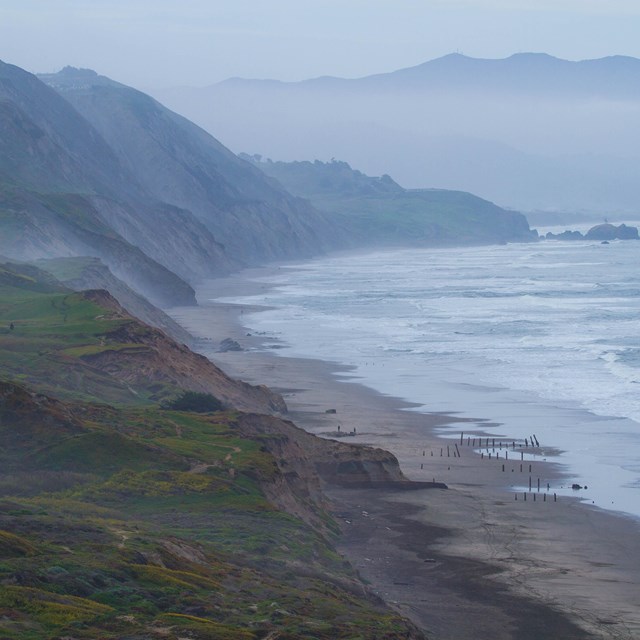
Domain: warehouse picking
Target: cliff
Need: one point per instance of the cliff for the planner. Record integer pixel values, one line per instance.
(180, 164)
(63, 192)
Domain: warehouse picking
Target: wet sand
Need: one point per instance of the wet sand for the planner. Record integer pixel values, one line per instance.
(466, 562)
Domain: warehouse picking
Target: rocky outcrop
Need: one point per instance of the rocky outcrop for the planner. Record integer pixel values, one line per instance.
(603, 232)
(229, 344)
(565, 235)
(611, 232)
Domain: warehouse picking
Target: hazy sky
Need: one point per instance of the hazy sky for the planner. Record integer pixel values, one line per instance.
(160, 43)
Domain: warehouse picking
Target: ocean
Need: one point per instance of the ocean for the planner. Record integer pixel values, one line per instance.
(526, 339)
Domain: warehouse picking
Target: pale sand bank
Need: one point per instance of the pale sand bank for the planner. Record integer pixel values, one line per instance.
(467, 562)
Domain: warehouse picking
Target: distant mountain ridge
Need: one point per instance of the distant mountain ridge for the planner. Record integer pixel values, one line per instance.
(611, 76)
(529, 132)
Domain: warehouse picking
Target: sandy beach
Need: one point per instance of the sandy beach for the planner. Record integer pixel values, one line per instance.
(469, 561)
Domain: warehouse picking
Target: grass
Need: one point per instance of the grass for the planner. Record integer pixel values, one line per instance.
(379, 211)
(53, 335)
(144, 543)
(121, 519)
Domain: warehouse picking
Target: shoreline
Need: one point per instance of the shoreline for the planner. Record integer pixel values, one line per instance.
(562, 565)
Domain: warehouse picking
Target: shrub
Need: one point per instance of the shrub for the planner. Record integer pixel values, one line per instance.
(194, 401)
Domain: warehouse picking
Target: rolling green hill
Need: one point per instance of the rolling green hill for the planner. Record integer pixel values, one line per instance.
(379, 212)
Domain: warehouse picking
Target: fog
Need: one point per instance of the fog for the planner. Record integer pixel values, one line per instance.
(531, 133)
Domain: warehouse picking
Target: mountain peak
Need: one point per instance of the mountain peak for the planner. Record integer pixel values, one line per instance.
(531, 55)
(76, 72)
(76, 78)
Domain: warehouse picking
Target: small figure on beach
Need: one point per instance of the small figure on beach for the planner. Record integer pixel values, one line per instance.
(11, 326)
(338, 428)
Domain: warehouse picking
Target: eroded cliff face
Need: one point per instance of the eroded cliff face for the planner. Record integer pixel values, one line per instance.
(306, 462)
(142, 354)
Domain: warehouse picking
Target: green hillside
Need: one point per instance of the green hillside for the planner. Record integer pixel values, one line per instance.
(120, 519)
(378, 211)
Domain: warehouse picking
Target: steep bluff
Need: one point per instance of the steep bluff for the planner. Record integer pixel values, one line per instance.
(64, 192)
(307, 461)
(180, 164)
(143, 356)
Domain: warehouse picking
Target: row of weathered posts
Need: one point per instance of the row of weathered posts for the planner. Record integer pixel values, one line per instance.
(489, 446)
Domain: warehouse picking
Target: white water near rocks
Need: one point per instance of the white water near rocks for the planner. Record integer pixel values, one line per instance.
(539, 339)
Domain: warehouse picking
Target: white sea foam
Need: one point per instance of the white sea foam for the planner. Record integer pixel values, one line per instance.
(553, 326)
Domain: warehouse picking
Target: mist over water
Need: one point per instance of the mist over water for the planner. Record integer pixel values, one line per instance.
(540, 338)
